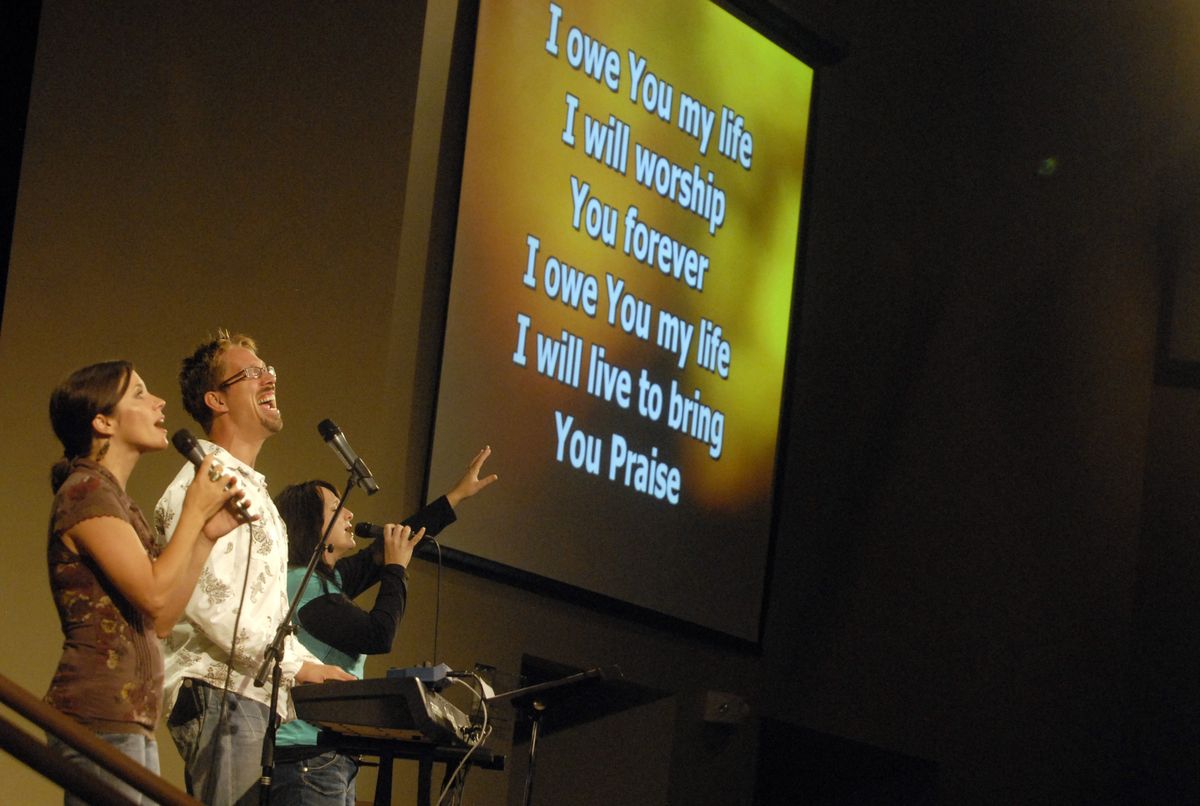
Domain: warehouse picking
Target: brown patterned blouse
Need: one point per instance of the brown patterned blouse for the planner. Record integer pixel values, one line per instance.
(111, 672)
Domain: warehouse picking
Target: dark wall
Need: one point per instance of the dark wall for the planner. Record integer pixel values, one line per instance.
(1165, 656)
(20, 24)
(958, 570)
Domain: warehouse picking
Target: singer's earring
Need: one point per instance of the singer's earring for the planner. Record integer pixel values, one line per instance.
(103, 450)
(329, 548)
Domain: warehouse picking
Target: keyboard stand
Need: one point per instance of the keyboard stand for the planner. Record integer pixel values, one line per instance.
(424, 753)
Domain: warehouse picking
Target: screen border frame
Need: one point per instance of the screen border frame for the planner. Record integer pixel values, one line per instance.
(787, 33)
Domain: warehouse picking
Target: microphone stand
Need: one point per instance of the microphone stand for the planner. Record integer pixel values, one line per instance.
(274, 653)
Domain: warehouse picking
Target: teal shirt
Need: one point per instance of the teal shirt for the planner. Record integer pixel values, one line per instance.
(298, 732)
(353, 575)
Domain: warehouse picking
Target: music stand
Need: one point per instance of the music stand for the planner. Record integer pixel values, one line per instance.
(563, 697)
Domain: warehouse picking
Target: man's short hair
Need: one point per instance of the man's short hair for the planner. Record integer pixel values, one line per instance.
(200, 373)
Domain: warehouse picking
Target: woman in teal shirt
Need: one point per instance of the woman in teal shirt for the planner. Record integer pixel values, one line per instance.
(333, 627)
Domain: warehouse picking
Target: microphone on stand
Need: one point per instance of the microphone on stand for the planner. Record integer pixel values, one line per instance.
(336, 440)
(186, 444)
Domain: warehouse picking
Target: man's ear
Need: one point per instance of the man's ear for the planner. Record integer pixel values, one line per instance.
(216, 401)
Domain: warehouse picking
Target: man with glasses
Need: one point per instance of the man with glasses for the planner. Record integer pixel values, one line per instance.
(241, 596)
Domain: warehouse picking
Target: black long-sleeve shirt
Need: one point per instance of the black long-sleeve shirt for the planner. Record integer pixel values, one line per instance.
(335, 619)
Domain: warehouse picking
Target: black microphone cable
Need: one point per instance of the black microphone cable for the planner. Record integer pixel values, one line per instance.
(437, 601)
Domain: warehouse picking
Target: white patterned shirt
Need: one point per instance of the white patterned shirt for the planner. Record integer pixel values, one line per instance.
(198, 645)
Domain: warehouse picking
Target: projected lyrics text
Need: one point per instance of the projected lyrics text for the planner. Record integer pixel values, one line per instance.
(671, 189)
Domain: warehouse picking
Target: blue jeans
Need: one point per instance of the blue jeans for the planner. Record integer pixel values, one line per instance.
(324, 780)
(139, 748)
(220, 768)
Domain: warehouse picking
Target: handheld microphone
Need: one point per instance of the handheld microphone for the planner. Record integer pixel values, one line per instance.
(336, 440)
(186, 444)
(372, 531)
(368, 531)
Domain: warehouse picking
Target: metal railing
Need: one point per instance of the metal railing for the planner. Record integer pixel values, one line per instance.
(33, 752)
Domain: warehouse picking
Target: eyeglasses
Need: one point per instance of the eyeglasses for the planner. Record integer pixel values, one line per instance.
(249, 373)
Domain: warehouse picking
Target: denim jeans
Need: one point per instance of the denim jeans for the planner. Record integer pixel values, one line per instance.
(221, 747)
(142, 750)
(324, 780)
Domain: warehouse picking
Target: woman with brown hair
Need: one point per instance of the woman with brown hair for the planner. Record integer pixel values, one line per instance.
(115, 592)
